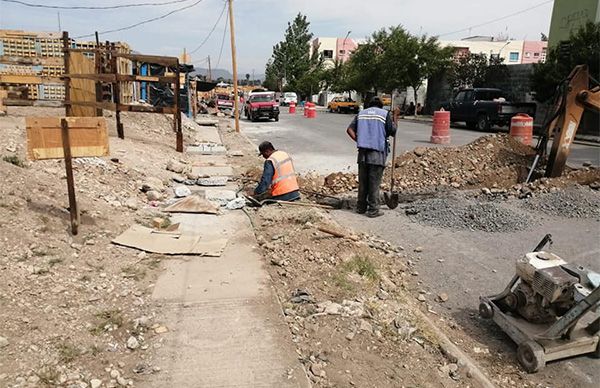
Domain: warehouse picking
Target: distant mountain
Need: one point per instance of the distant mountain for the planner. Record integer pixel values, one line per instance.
(226, 74)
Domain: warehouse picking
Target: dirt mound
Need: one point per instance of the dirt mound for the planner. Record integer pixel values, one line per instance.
(493, 160)
(334, 183)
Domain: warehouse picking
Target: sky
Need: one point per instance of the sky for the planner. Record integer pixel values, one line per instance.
(260, 24)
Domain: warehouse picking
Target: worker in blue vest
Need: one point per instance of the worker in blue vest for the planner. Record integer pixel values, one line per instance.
(370, 130)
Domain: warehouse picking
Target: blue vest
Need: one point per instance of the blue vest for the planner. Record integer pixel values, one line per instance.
(370, 129)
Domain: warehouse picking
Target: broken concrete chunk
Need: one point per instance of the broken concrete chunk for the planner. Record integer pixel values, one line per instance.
(237, 203)
(175, 166)
(152, 184)
(213, 181)
(182, 191)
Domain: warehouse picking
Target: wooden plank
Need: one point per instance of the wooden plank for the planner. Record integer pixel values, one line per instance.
(28, 79)
(100, 105)
(3, 95)
(81, 89)
(146, 78)
(147, 109)
(165, 61)
(94, 77)
(88, 137)
(66, 143)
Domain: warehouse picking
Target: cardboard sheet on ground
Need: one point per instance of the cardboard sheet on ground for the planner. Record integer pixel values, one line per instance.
(169, 243)
(193, 204)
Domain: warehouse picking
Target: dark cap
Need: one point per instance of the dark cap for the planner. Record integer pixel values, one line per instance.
(265, 145)
(376, 101)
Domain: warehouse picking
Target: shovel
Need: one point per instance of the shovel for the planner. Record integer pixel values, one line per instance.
(391, 198)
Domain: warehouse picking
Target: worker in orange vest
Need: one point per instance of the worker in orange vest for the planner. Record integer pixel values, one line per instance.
(278, 180)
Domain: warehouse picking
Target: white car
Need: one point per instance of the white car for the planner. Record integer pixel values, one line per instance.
(289, 97)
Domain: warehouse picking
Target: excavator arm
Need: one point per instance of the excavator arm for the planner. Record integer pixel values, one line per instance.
(575, 100)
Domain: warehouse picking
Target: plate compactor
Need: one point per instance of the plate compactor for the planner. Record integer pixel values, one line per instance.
(549, 309)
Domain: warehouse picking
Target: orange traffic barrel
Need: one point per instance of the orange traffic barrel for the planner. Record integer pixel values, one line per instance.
(292, 108)
(312, 111)
(440, 131)
(521, 128)
(306, 104)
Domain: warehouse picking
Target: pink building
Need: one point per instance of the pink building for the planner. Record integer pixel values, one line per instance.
(534, 51)
(344, 48)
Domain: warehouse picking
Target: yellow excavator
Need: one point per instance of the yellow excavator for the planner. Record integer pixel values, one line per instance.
(572, 99)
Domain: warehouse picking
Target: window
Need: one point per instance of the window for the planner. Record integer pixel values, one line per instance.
(460, 97)
(342, 51)
(513, 57)
(535, 55)
(527, 54)
(328, 54)
(469, 95)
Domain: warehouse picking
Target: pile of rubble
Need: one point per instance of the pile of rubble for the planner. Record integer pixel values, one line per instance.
(574, 202)
(334, 183)
(490, 160)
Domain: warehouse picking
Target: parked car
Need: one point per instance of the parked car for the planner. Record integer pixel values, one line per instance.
(480, 108)
(224, 102)
(289, 97)
(261, 105)
(343, 105)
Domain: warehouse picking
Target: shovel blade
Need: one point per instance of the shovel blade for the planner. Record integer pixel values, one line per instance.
(391, 199)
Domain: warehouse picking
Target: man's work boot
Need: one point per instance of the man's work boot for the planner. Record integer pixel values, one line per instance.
(374, 214)
(361, 210)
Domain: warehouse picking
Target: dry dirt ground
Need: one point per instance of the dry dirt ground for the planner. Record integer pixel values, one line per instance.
(75, 308)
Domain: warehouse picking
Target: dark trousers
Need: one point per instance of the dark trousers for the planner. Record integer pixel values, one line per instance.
(369, 180)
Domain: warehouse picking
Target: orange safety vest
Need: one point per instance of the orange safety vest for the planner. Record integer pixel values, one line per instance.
(284, 180)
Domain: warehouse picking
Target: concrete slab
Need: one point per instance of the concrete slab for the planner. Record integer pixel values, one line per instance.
(213, 181)
(226, 327)
(206, 149)
(209, 171)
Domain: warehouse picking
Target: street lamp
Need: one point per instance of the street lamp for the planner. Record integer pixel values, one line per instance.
(344, 43)
(502, 48)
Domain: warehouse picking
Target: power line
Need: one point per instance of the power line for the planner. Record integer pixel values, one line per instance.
(143, 21)
(77, 7)
(211, 31)
(222, 41)
(498, 19)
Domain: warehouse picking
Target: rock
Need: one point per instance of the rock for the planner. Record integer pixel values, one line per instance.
(122, 381)
(3, 342)
(442, 297)
(456, 185)
(132, 203)
(587, 163)
(95, 383)
(178, 178)
(383, 295)
(420, 151)
(161, 330)
(365, 326)
(153, 195)
(318, 370)
(133, 343)
(419, 249)
(421, 298)
(350, 336)
(152, 184)
(486, 191)
(175, 166)
(237, 203)
(182, 191)
(158, 222)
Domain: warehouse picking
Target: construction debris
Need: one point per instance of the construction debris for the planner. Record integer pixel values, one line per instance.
(193, 204)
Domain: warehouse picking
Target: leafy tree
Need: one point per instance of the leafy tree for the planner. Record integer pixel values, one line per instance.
(312, 80)
(583, 47)
(364, 68)
(430, 59)
(291, 58)
(469, 69)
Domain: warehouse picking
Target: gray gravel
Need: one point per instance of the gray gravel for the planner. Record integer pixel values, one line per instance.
(575, 202)
(463, 214)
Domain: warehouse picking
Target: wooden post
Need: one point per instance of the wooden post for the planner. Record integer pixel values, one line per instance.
(234, 65)
(68, 107)
(98, 64)
(177, 113)
(66, 142)
(116, 92)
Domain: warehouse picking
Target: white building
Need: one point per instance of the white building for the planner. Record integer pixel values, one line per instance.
(509, 50)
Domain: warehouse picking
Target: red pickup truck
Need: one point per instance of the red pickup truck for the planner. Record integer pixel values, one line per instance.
(224, 102)
(261, 105)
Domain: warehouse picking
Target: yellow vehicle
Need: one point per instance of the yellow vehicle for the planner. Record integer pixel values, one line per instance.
(343, 105)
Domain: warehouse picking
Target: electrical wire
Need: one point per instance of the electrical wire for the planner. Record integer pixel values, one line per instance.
(143, 21)
(79, 7)
(211, 31)
(498, 19)
(222, 41)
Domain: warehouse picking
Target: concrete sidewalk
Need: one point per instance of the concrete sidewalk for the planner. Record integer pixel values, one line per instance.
(226, 328)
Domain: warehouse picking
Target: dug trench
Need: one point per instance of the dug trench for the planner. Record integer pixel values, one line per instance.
(462, 222)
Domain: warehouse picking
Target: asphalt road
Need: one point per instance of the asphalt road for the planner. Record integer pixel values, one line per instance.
(463, 264)
(321, 144)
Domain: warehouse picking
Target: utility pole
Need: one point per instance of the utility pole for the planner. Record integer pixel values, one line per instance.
(209, 70)
(59, 27)
(234, 65)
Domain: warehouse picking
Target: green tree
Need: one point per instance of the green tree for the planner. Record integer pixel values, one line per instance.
(429, 60)
(583, 47)
(364, 69)
(291, 58)
(469, 69)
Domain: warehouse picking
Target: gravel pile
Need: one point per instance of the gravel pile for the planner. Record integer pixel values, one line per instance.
(462, 214)
(576, 202)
